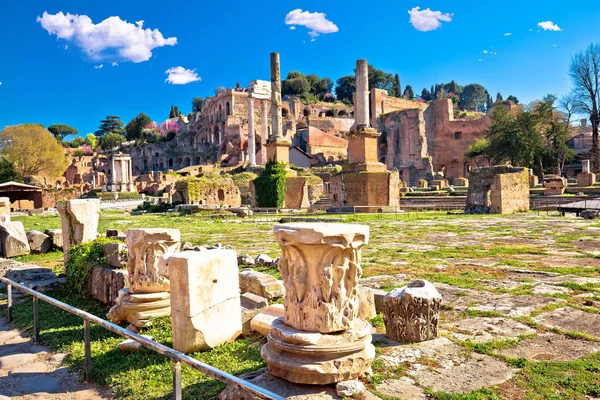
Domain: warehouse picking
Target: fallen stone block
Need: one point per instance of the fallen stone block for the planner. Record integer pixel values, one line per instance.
(589, 214)
(39, 242)
(264, 260)
(378, 296)
(261, 284)
(56, 236)
(245, 260)
(13, 240)
(251, 305)
(350, 388)
(105, 284)
(262, 322)
(130, 345)
(116, 254)
(366, 306)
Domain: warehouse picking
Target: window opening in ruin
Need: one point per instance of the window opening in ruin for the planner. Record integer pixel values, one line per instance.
(457, 135)
(329, 113)
(227, 109)
(170, 163)
(284, 112)
(305, 112)
(221, 195)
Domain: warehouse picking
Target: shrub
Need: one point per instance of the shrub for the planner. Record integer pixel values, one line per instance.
(82, 258)
(270, 186)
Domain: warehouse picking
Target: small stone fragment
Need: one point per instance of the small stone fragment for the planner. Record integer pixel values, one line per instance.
(349, 388)
(261, 284)
(39, 242)
(131, 345)
(245, 260)
(264, 260)
(13, 240)
(262, 322)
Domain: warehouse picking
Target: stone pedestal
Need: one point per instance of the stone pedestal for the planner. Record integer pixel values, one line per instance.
(320, 340)
(586, 179)
(411, 313)
(554, 185)
(205, 299)
(148, 294)
(278, 150)
(13, 240)
(4, 209)
(79, 220)
(362, 145)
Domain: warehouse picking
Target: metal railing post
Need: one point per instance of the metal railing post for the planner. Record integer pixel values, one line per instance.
(176, 380)
(36, 321)
(10, 305)
(87, 348)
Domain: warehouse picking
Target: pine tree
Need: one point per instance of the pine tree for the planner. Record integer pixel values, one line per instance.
(425, 94)
(409, 94)
(397, 86)
(499, 97)
(174, 112)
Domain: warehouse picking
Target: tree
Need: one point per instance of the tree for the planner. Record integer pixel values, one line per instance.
(499, 98)
(319, 87)
(91, 140)
(345, 88)
(112, 124)
(174, 113)
(481, 148)
(219, 89)
(379, 79)
(567, 106)
(197, 104)
(61, 131)
(409, 93)
(490, 102)
(453, 87)
(441, 93)
(111, 140)
(473, 97)
(556, 130)
(432, 93)
(135, 127)
(513, 99)
(76, 142)
(295, 84)
(585, 74)
(8, 172)
(426, 95)
(396, 90)
(32, 149)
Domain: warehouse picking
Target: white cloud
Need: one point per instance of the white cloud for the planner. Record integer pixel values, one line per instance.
(427, 20)
(493, 53)
(549, 26)
(181, 76)
(0, 83)
(114, 64)
(292, 28)
(481, 60)
(98, 66)
(508, 34)
(315, 21)
(111, 38)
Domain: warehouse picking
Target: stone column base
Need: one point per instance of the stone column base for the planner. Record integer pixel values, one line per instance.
(278, 150)
(586, 179)
(138, 309)
(318, 358)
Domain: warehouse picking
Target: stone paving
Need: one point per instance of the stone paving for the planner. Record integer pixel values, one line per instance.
(29, 371)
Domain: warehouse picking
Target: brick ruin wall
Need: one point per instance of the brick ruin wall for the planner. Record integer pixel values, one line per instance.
(498, 189)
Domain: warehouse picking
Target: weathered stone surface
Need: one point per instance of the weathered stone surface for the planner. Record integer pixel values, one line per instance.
(263, 322)
(79, 220)
(37, 367)
(366, 305)
(205, 299)
(105, 284)
(245, 260)
(5, 207)
(306, 357)
(350, 388)
(485, 329)
(39, 242)
(39, 384)
(131, 345)
(56, 236)
(264, 260)
(403, 388)
(317, 261)
(13, 241)
(411, 313)
(378, 296)
(554, 185)
(589, 214)
(498, 189)
(571, 319)
(551, 347)
(16, 360)
(116, 254)
(261, 284)
(251, 305)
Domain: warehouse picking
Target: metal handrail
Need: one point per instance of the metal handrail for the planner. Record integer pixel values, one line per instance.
(175, 355)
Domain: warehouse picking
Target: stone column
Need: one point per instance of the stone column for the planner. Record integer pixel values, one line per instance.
(112, 172)
(264, 121)
(251, 137)
(79, 219)
(585, 167)
(320, 340)
(148, 296)
(276, 126)
(361, 102)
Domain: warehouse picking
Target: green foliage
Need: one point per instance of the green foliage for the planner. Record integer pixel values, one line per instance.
(154, 208)
(409, 94)
(60, 131)
(82, 258)
(396, 90)
(474, 97)
(135, 128)
(8, 172)
(76, 142)
(345, 88)
(453, 87)
(112, 124)
(197, 104)
(308, 88)
(111, 140)
(270, 186)
(426, 95)
(480, 148)
(243, 179)
(91, 140)
(174, 113)
(513, 99)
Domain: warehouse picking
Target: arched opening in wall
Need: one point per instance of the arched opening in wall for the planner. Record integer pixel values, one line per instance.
(197, 160)
(186, 162)
(215, 135)
(109, 172)
(220, 113)
(170, 163)
(352, 114)
(284, 112)
(221, 195)
(330, 113)
(330, 159)
(227, 109)
(342, 113)
(306, 112)
(466, 169)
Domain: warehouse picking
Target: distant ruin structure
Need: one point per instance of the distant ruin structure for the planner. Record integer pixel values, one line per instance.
(499, 190)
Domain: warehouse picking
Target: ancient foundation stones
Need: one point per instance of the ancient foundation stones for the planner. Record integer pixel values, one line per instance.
(554, 185)
(411, 313)
(205, 299)
(13, 241)
(500, 189)
(79, 220)
(39, 242)
(261, 284)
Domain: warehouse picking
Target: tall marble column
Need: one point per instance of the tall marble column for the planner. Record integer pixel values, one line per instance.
(278, 148)
(361, 102)
(264, 121)
(320, 340)
(251, 136)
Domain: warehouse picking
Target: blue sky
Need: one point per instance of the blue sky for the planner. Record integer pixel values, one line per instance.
(47, 79)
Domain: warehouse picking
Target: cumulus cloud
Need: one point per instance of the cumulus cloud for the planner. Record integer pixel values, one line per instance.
(315, 21)
(98, 66)
(110, 38)
(0, 83)
(549, 26)
(292, 28)
(181, 76)
(481, 60)
(428, 20)
(508, 34)
(493, 53)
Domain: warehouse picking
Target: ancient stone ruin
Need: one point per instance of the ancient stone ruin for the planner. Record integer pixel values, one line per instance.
(148, 293)
(79, 220)
(320, 340)
(554, 185)
(411, 313)
(499, 190)
(205, 299)
(586, 177)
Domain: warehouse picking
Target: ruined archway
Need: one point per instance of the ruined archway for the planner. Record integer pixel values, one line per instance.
(227, 109)
(330, 113)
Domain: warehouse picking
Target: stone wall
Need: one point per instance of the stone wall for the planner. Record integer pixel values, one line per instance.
(499, 189)
(51, 197)
(361, 188)
(208, 191)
